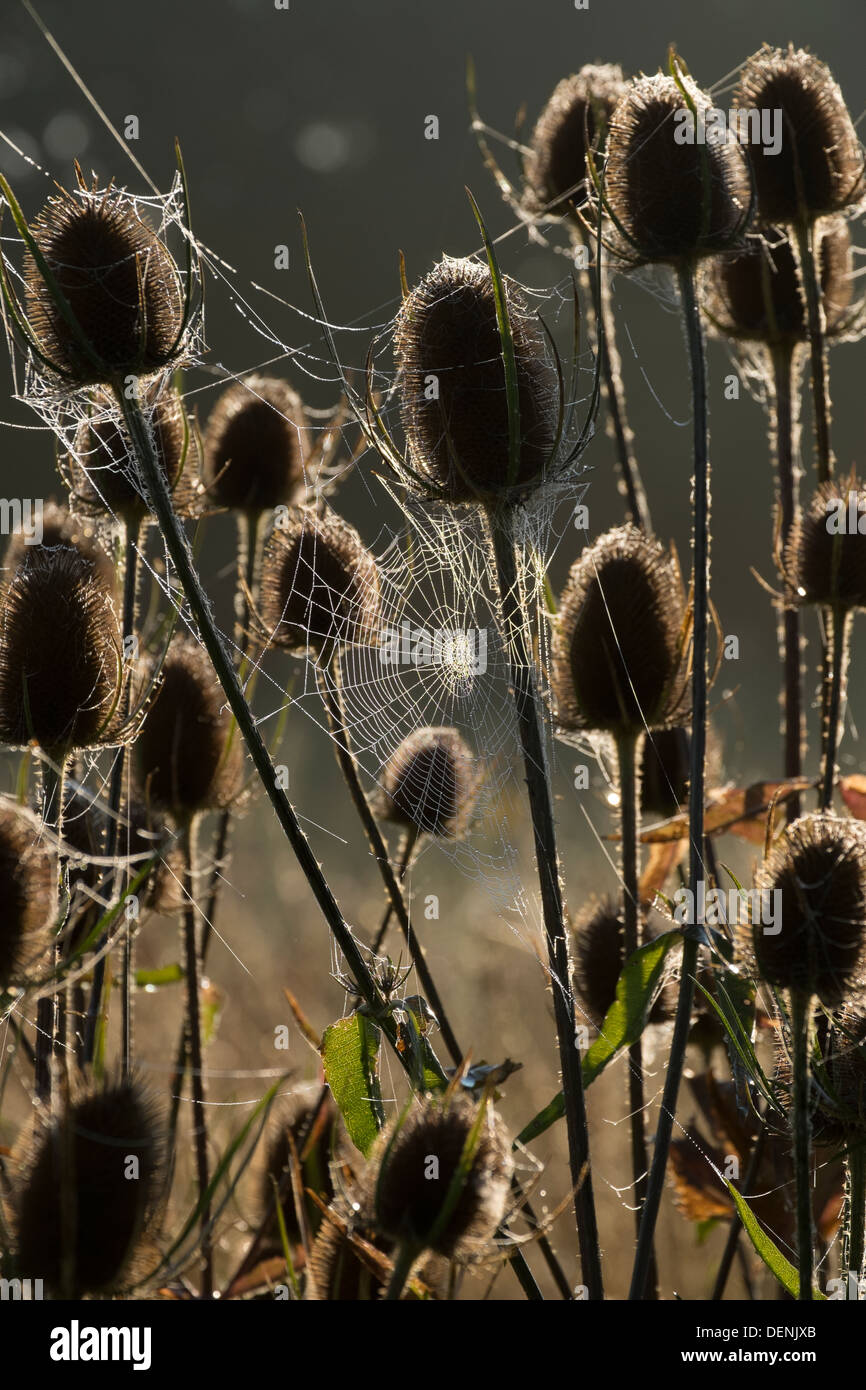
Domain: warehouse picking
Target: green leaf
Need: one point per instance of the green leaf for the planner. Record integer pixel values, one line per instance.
(163, 975)
(350, 1053)
(635, 989)
(543, 1120)
(772, 1256)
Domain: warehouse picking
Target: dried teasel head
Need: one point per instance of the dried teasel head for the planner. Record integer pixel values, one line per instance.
(841, 1075)
(61, 662)
(303, 1131)
(188, 754)
(825, 560)
(617, 660)
(28, 894)
(598, 949)
(102, 471)
(123, 309)
(413, 1164)
(79, 1220)
(319, 586)
(671, 200)
(817, 942)
(430, 783)
(255, 446)
(755, 293)
(454, 404)
(664, 773)
(575, 119)
(819, 167)
(58, 527)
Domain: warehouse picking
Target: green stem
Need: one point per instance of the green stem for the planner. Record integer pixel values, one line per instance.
(793, 724)
(805, 236)
(801, 1018)
(530, 722)
(855, 1213)
(838, 622)
(194, 1044)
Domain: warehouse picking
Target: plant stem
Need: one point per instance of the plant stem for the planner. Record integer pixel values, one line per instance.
(855, 1214)
(410, 840)
(529, 717)
(694, 932)
(50, 1015)
(407, 1254)
(801, 1020)
(793, 724)
(194, 1044)
(805, 236)
(838, 622)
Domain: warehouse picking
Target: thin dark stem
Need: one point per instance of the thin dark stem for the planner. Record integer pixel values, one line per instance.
(529, 716)
(50, 1024)
(801, 1124)
(192, 962)
(410, 840)
(805, 235)
(855, 1211)
(407, 1254)
(838, 622)
(793, 724)
(735, 1227)
(693, 931)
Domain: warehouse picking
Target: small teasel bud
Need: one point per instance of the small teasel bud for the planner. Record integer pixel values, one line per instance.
(598, 950)
(102, 471)
(61, 528)
(413, 1164)
(312, 1129)
(61, 667)
(575, 119)
(671, 199)
(188, 755)
(319, 586)
(815, 166)
(429, 783)
(826, 554)
(255, 446)
(816, 944)
(87, 1186)
(755, 293)
(120, 283)
(617, 662)
(452, 375)
(28, 894)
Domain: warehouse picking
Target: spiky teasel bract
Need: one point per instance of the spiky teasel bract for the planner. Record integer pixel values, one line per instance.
(430, 782)
(818, 868)
(101, 469)
(319, 586)
(106, 301)
(255, 445)
(617, 660)
(755, 293)
(438, 1178)
(87, 1187)
(825, 562)
(188, 756)
(454, 404)
(670, 201)
(28, 894)
(575, 119)
(60, 528)
(61, 667)
(819, 167)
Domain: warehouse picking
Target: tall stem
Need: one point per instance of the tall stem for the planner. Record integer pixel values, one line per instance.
(855, 1211)
(192, 962)
(838, 622)
(801, 1021)
(697, 752)
(530, 723)
(410, 840)
(50, 1025)
(805, 235)
(784, 430)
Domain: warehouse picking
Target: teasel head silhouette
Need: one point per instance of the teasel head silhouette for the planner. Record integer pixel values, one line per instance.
(59, 527)
(61, 660)
(101, 470)
(438, 1178)
(188, 756)
(817, 944)
(256, 446)
(670, 200)
(840, 1075)
(88, 1183)
(319, 586)
(825, 560)
(302, 1132)
(817, 168)
(28, 895)
(618, 663)
(430, 783)
(575, 119)
(598, 951)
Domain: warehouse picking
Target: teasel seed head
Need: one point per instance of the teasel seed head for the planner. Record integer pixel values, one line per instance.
(28, 894)
(319, 586)
(79, 1221)
(188, 754)
(575, 118)
(120, 284)
(61, 667)
(411, 1168)
(452, 376)
(841, 1108)
(755, 293)
(429, 783)
(819, 168)
(617, 661)
(825, 561)
(819, 868)
(670, 202)
(61, 528)
(597, 950)
(664, 784)
(255, 446)
(313, 1131)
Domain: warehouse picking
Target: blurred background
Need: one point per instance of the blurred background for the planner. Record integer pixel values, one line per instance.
(322, 106)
